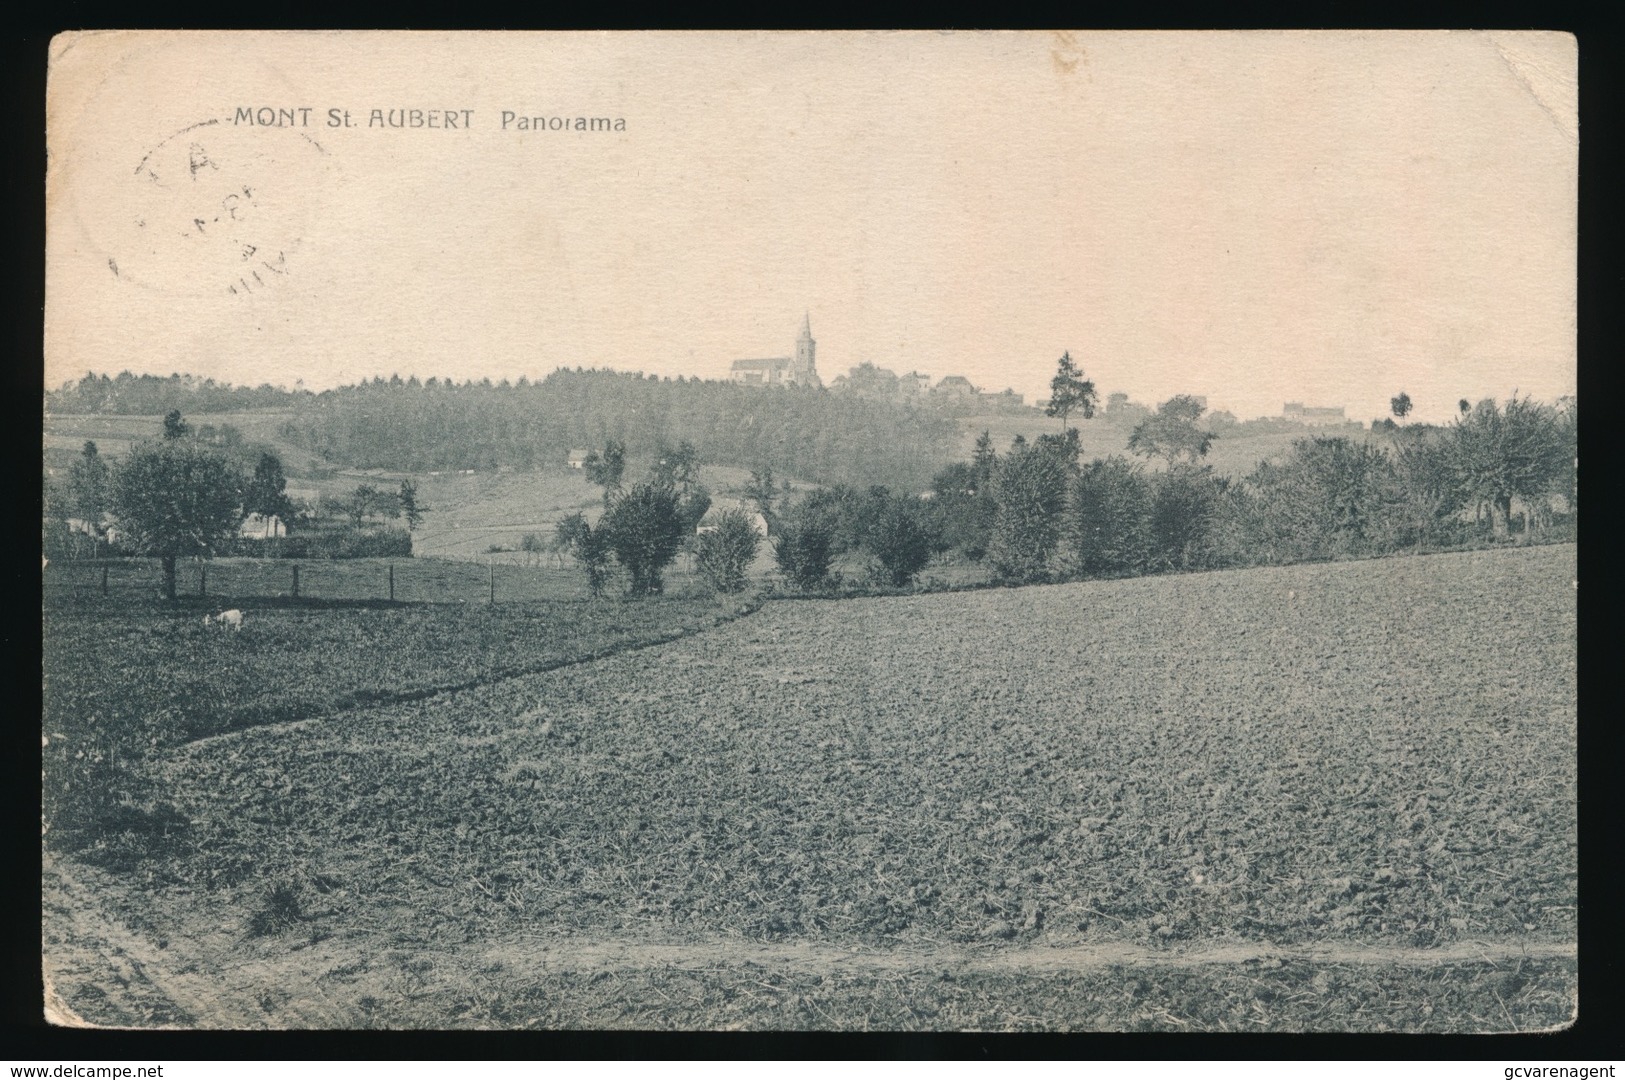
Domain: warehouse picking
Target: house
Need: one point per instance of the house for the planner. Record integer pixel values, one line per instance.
(1005, 401)
(955, 386)
(1313, 416)
(259, 527)
(578, 458)
(797, 370)
(914, 385)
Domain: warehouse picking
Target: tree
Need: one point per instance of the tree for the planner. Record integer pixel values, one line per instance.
(645, 530)
(804, 548)
(1427, 497)
(1070, 392)
(724, 554)
(407, 496)
(1401, 405)
(588, 546)
(605, 469)
(762, 493)
(900, 540)
(176, 499)
(1029, 493)
(175, 427)
(984, 458)
(692, 505)
(1517, 451)
(1171, 432)
(1184, 502)
(1109, 519)
(680, 466)
(266, 493)
(963, 507)
(362, 503)
(88, 482)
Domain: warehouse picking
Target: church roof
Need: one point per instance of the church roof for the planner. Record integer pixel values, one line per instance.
(768, 364)
(806, 325)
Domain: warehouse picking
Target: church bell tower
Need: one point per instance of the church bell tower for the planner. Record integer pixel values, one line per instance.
(804, 371)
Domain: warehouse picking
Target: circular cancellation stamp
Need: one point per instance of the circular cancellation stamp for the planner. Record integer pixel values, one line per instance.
(211, 209)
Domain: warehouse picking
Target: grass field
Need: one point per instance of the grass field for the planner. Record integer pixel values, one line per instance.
(1304, 798)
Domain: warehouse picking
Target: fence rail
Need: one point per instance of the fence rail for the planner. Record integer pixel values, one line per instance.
(123, 581)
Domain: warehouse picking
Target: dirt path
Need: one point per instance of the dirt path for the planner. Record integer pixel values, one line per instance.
(99, 972)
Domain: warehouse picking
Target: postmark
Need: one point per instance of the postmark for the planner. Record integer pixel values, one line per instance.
(210, 209)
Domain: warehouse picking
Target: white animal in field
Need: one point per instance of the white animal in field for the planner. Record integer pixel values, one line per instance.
(232, 619)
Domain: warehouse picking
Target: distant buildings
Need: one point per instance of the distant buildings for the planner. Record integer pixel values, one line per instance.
(1312, 416)
(1123, 411)
(797, 370)
(955, 387)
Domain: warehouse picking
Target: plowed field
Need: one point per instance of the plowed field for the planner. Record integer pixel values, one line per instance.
(1313, 797)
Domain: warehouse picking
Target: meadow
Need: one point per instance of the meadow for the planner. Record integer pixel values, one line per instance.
(1317, 797)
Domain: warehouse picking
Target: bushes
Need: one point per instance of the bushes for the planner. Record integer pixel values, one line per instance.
(724, 554)
(804, 549)
(1029, 493)
(344, 542)
(644, 528)
(1108, 523)
(900, 541)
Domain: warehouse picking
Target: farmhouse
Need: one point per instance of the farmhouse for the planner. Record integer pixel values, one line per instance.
(578, 458)
(797, 370)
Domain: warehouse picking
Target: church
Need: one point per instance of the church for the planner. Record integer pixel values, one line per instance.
(798, 370)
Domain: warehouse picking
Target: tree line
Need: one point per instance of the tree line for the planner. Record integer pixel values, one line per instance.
(1038, 512)
(797, 431)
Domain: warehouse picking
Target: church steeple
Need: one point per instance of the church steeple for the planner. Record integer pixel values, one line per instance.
(804, 371)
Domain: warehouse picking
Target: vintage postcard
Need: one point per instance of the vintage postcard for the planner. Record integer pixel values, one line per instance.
(909, 531)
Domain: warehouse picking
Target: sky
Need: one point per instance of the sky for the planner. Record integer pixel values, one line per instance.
(1257, 217)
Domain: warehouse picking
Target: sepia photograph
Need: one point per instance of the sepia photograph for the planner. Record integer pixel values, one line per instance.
(838, 531)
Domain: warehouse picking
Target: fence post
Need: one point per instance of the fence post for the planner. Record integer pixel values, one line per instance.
(493, 581)
(104, 581)
(202, 580)
(392, 583)
(296, 582)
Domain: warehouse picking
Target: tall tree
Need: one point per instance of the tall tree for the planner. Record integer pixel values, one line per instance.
(1400, 405)
(176, 499)
(1070, 392)
(1171, 432)
(266, 493)
(606, 469)
(762, 493)
(984, 457)
(88, 482)
(407, 496)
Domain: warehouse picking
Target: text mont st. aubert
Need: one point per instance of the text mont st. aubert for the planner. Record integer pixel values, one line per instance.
(428, 119)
